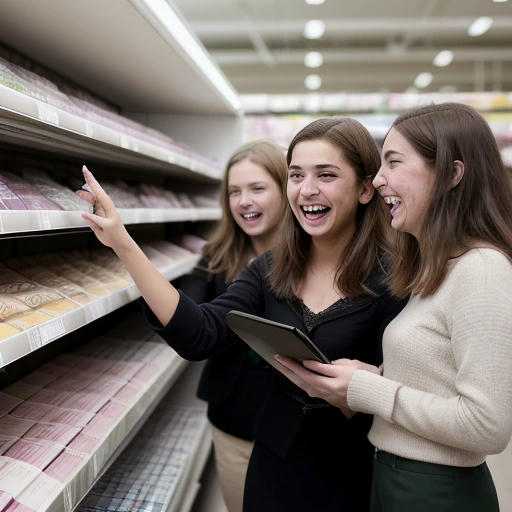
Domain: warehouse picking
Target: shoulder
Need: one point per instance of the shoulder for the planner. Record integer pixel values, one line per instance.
(479, 270)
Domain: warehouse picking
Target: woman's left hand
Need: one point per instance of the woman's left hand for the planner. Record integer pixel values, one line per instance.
(330, 381)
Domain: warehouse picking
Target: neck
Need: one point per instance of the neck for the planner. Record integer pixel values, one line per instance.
(325, 253)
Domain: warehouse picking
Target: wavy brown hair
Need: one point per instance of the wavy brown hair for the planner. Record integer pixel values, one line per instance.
(477, 208)
(371, 238)
(229, 248)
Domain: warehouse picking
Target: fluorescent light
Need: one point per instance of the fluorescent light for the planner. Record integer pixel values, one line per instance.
(171, 26)
(314, 29)
(313, 59)
(318, 2)
(443, 58)
(498, 1)
(313, 82)
(423, 80)
(480, 26)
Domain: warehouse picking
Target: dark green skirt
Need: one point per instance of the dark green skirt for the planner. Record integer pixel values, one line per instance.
(405, 485)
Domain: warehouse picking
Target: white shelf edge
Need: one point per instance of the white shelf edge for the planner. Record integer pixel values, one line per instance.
(50, 125)
(20, 221)
(23, 343)
(162, 385)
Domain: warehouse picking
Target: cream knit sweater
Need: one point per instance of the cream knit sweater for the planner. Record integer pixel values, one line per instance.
(446, 392)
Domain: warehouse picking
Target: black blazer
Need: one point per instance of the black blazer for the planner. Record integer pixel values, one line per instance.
(301, 443)
(234, 381)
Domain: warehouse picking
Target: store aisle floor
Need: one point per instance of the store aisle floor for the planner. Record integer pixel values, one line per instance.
(209, 498)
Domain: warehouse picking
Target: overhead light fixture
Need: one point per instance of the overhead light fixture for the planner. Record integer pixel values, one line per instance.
(443, 58)
(480, 26)
(175, 31)
(318, 2)
(423, 80)
(314, 29)
(499, 1)
(313, 82)
(313, 59)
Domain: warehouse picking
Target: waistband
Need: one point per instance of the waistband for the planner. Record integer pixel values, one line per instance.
(418, 466)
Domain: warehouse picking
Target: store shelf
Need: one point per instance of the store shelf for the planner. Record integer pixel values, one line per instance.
(20, 221)
(151, 62)
(25, 342)
(161, 468)
(29, 122)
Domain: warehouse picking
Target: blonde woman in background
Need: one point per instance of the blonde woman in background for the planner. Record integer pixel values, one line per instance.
(234, 381)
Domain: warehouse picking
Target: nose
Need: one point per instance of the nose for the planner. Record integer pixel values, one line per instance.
(245, 198)
(379, 179)
(309, 187)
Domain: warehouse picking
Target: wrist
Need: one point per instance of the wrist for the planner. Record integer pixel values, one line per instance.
(124, 246)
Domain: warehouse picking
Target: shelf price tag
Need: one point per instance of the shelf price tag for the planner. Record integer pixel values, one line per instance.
(45, 220)
(47, 114)
(45, 333)
(125, 142)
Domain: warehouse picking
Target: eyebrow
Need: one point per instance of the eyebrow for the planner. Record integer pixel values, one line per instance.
(318, 166)
(390, 152)
(250, 184)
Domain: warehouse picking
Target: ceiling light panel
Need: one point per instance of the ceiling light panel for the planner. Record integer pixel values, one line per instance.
(423, 80)
(443, 58)
(313, 59)
(314, 29)
(480, 26)
(313, 82)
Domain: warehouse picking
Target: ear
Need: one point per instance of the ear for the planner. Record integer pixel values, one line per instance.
(366, 191)
(457, 173)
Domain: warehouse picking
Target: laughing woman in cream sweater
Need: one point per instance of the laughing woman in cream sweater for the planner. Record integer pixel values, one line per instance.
(444, 400)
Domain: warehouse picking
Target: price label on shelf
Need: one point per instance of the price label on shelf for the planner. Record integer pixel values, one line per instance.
(40, 336)
(125, 142)
(88, 129)
(47, 114)
(45, 220)
(34, 339)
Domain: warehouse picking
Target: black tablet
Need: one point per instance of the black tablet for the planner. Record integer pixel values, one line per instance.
(268, 338)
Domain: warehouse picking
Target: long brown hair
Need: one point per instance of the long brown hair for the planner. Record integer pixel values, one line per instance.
(370, 240)
(477, 208)
(229, 248)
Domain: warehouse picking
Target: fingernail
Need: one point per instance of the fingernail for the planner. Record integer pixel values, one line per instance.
(277, 357)
(84, 169)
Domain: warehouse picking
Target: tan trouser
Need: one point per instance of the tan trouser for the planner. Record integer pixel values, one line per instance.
(232, 458)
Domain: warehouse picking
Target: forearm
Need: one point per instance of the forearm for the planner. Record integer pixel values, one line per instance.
(159, 294)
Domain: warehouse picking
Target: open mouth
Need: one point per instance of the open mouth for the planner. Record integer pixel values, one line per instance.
(314, 211)
(251, 217)
(393, 202)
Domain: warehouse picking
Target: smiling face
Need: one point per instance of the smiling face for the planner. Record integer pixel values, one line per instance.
(323, 190)
(405, 181)
(254, 198)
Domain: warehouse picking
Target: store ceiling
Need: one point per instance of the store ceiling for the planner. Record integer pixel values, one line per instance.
(368, 45)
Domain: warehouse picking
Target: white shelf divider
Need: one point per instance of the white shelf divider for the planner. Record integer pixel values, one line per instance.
(19, 221)
(25, 342)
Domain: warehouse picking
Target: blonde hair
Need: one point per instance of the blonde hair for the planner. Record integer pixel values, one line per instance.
(229, 248)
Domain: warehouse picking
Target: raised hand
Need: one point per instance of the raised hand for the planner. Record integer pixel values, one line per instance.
(105, 221)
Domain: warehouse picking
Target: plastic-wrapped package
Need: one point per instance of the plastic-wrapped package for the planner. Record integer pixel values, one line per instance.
(192, 243)
(173, 251)
(30, 196)
(122, 195)
(24, 303)
(59, 194)
(45, 277)
(8, 199)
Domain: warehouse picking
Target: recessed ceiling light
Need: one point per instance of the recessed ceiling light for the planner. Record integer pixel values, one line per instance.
(497, 1)
(313, 59)
(318, 2)
(443, 58)
(314, 29)
(423, 80)
(313, 82)
(480, 26)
